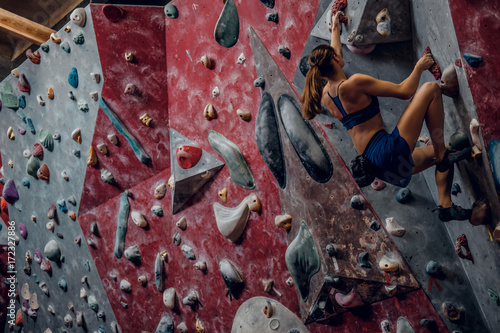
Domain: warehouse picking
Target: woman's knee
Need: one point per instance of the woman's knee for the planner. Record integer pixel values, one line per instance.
(431, 88)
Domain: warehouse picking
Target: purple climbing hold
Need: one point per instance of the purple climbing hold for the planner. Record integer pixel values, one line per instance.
(22, 230)
(38, 257)
(473, 60)
(10, 193)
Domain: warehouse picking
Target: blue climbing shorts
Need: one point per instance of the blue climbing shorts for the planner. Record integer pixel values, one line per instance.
(391, 156)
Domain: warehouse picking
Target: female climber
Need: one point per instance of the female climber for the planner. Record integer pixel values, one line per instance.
(391, 157)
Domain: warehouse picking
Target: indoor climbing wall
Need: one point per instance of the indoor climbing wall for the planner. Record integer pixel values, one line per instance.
(184, 192)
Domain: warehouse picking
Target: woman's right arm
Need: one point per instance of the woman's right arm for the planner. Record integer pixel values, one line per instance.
(404, 90)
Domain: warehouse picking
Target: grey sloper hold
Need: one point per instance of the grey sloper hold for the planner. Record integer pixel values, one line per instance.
(268, 138)
(250, 318)
(139, 152)
(132, 254)
(52, 251)
(302, 259)
(306, 143)
(231, 222)
(121, 224)
(227, 28)
(404, 326)
(238, 169)
(166, 324)
(159, 272)
(232, 279)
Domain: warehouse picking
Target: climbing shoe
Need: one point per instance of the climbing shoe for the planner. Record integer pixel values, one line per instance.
(451, 157)
(453, 213)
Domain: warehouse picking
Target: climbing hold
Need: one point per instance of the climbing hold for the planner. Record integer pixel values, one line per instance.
(228, 25)
(283, 221)
(223, 195)
(50, 225)
(113, 139)
(92, 302)
(273, 17)
(188, 252)
(284, 51)
(121, 227)
(40, 100)
(231, 222)
(44, 47)
(146, 119)
(451, 312)
(215, 92)
(113, 13)
(52, 251)
(449, 82)
(139, 219)
(268, 3)
(157, 210)
(268, 309)
(9, 192)
(143, 280)
(65, 47)
(182, 327)
(94, 95)
(134, 144)
(388, 264)
(102, 148)
(26, 182)
(166, 324)
(363, 260)
(26, 153)
(129, 56)
(83, 293)
(34, 57)
(435, 270)
(378, 185)
(383, 20)
(232, 278)
(171, 11)
(455, 189)
(62, 283)
(302, 259)
(169, 298)
(73, 77)
(191, 298)
(72, 200)
(201, 265)
(493, 296)
(92, 159)
(176, 239)
(43, 173)
(404, 326)
(241, 59)
(93, 228)
(259, 82)
(385, 326)
(393, 227)
(160, 191)
(459, 141)
(182, 223)
(11, 164)
(79, 318)
(474, 131)
(244, 115)
(159, 272)
(404, 195)
(358, 202)
(23, 85)
(125, 286)
(68, 320)
(25, 291)
(206, 61)
(473, 60)
(429, 324)
(188, 156)
(462, 242)
(72, 215)
(22, 230)
(434, 69)
(238, 169)
(79, 39)
(78, 17)
(209, 112)
(96, 77)
(350, 300)
(50, 93)
(71, 96)
(130, 89)
(21, 100)
(331, 250)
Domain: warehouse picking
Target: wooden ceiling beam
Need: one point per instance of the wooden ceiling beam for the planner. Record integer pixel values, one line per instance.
(23, 28)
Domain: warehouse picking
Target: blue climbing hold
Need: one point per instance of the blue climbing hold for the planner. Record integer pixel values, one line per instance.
(66, 48)
(404, 195)
(22, 101)
(473, 60)
(455, 189)
(62, 283)
(26, 182)
(30, 124)
(73, 77)
(494, 150)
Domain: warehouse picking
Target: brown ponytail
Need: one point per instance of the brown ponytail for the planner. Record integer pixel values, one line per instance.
(319, 60)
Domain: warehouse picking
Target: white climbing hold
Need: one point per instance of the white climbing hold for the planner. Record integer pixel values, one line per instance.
(113, 138)
(215, 92)
(241, 59)
(182, 223)
(139, 219)
(40, 100)
(393, 227)
(474, 132)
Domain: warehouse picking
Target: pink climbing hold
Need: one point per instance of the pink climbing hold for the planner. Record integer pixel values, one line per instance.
(51, 213)
(340, 5)
(23, 84)
(10, 193)
(328, 125)
(350, 300)
(378, 185)
(188, 156)
(458, 62)
(22, 230)
(434, 69)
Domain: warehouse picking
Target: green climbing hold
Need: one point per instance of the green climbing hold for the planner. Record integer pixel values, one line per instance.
(171, 11)
(46, 139)
(9, 99)
(302, 259)
(79, 39)
(494, 296)
(32, 166)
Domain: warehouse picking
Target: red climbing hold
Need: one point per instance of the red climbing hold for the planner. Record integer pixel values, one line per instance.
(328, 125)
(462, 242)
(113, 13)
(37, 150)
(458, 62)
(434, 69)
(339, 5)
(19, 318)
(188, 156)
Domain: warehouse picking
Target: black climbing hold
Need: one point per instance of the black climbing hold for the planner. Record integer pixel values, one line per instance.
(304, 65)
(267, 135)
(318, 309)
(375, 225)
(284, 51)
(268, 3)
(429, 324)
(459, 140)
(455, 189)
(273, 17)
(331, 250)
(434, 269)
(227, 28)
(259, 82)
(306, 143)
(363, 260)
(333, 281)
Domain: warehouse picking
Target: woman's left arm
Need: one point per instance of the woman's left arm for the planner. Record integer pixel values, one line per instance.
(335, 39)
